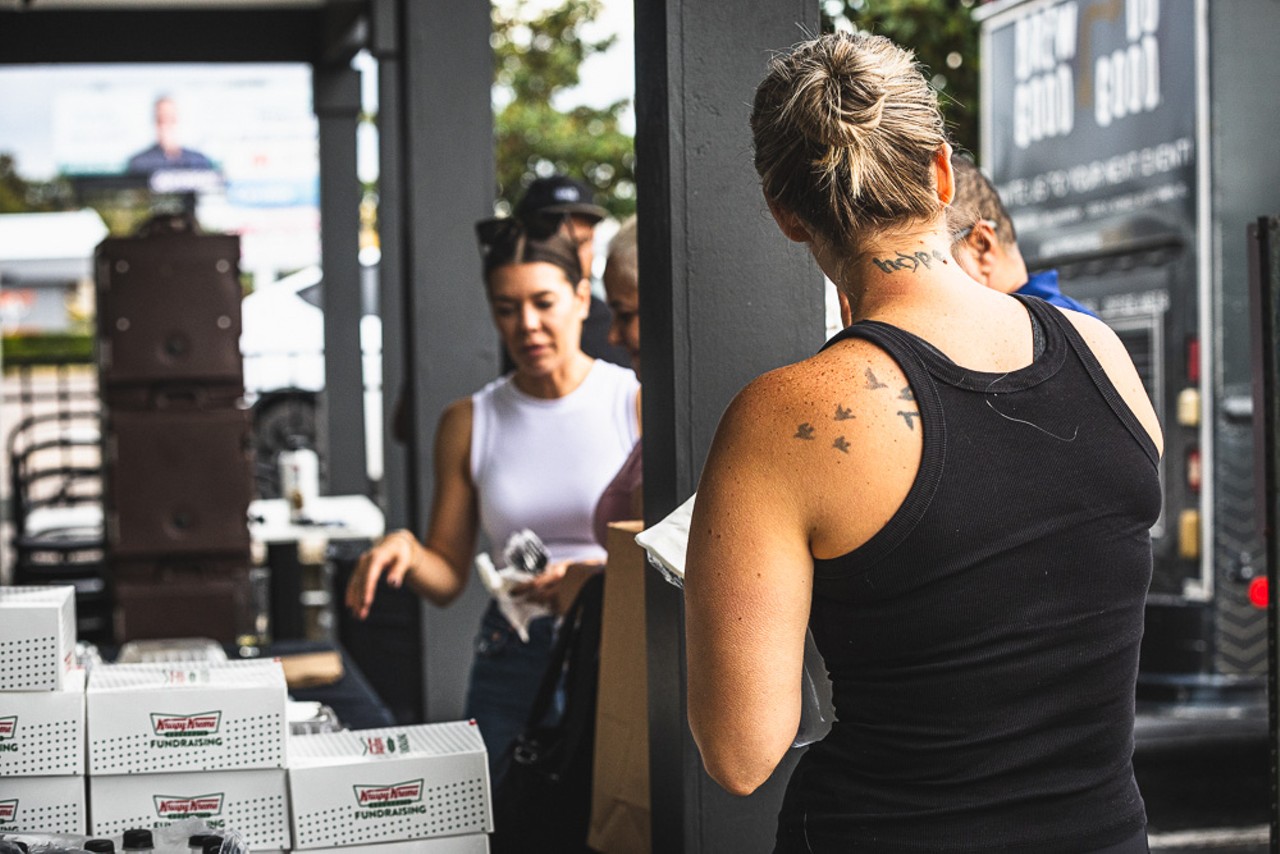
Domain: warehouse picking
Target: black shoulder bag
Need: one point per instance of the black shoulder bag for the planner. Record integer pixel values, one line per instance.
(543, 801)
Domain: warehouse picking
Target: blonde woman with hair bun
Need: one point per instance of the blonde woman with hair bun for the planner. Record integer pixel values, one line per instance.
(955, 495)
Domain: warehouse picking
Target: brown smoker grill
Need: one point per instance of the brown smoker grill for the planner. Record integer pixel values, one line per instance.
(176, 451)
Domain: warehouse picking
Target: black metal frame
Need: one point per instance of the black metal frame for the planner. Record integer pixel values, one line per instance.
(1263, 251)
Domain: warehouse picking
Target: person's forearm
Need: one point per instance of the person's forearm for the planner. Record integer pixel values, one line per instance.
(434, 578)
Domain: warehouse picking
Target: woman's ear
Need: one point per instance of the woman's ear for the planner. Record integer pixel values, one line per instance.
(943, 175)
(788, 222)
(979, 253)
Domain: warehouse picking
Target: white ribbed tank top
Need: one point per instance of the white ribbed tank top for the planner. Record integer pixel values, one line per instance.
(542, 464)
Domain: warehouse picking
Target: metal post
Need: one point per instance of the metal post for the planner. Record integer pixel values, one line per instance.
(452, 351)
(386, 35)
(337, 106)
(725, 298)
(1263, 257)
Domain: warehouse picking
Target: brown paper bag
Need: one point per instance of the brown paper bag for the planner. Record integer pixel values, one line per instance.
(620, 796)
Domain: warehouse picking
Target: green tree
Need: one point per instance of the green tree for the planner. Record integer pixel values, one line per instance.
(18, 195)
(944, 37)
(537, 54)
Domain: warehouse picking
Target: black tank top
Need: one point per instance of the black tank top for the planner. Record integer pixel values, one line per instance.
(983, 645)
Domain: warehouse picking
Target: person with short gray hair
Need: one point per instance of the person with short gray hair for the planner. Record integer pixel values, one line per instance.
(986, 243)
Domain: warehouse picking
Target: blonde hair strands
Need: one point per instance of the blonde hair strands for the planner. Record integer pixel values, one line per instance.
(845, 129)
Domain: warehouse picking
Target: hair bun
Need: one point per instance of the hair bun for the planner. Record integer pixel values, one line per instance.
(846, 133)
(840, 98)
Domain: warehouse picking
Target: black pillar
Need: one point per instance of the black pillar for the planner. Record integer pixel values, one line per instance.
(448, 181)
(337, 106)
(725, 298)
(385, 40)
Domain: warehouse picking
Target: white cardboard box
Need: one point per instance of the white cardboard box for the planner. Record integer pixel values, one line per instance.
(163, 718)
(472, 843)
(389, 785)
(37, 637)
(254, 803)
(42, 732)
(42, 805)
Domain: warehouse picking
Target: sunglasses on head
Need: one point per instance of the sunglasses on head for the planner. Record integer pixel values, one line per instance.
(502, 229)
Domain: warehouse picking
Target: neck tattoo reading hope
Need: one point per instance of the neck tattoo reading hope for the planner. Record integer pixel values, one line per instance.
(911, 262)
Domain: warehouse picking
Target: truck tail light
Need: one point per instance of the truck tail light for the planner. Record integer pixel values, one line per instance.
(1259, 592)
(1193, 360)
(1195, 471)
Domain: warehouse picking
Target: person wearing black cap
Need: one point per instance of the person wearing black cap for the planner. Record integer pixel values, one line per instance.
(562, 196)
(557, 197)
(571, 200)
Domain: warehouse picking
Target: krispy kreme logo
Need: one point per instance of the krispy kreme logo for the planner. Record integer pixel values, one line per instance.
(203, 723)
(8, 727)
(8, 810)
(201, 806)
(409, 792)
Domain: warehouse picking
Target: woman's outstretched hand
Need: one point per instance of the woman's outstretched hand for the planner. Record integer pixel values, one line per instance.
(392, 556)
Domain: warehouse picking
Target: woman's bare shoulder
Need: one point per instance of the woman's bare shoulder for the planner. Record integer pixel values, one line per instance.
(831, 444)
(1115, 360)
(453, 435)
(458, 410)
(830, 400)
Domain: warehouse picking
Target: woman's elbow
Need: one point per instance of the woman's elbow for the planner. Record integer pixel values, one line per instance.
(738, 764)
(443, 598)
(737, 775)
(440, 587)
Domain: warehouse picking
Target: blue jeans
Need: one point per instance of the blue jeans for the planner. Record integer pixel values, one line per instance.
(505, 675)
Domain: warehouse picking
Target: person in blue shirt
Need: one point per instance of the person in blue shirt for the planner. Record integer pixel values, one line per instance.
(986, 245)
(167, 152)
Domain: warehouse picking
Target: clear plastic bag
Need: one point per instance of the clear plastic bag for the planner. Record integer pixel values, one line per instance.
(526, 557)
(170, 839)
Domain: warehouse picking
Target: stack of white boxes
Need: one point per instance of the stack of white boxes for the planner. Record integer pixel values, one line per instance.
(183, 740)
(421, 789)
(41, 713)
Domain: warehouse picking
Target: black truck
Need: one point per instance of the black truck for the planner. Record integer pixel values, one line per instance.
(1132, 142)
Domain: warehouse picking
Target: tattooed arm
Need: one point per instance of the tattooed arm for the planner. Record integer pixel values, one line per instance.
(809, 460)
(747, 590)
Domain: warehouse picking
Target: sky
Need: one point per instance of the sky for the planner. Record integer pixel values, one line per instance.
(611, 76)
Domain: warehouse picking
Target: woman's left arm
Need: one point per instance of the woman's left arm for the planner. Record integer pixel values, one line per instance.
(748, 583)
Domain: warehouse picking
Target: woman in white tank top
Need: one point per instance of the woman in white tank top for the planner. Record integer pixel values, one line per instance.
(533, 449)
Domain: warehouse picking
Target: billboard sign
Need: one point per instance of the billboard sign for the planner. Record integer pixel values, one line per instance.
(1091, 131)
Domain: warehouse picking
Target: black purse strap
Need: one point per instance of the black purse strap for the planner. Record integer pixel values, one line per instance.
(579, 620)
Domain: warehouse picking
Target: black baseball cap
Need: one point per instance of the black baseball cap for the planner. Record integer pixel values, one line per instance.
(559, 194)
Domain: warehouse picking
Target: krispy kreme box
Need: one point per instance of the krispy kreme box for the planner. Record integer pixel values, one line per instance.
(389, 785)
(42, 804)
(254, 803)
(37, 637)
(161, 718)
(472, 843)
(42, 732)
